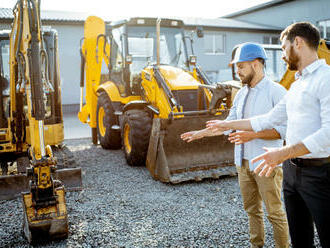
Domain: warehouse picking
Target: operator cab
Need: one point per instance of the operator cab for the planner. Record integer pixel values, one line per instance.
(134, 47)
(4, 78)
(53, 109)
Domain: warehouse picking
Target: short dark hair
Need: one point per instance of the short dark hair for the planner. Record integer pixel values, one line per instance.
(262, 61)
(305, 30)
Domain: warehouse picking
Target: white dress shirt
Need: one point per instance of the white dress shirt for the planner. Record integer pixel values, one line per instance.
(306, 109)
(261, 99)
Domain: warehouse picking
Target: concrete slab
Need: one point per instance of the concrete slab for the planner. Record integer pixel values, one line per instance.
(73, 128)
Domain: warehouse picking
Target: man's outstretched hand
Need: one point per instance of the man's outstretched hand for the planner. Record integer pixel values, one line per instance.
(198, 134)
(192, 135)
(274, 156)
(270, 159)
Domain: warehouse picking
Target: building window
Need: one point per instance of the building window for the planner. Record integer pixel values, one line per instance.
(275, 65)
(214, 43)
(324, 27)
(271, 40)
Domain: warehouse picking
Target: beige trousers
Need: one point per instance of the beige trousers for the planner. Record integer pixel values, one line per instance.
(256, 189)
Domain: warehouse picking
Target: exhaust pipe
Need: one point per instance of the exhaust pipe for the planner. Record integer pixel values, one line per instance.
(158, 40)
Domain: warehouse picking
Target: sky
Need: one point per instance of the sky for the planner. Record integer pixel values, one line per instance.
(130, 8)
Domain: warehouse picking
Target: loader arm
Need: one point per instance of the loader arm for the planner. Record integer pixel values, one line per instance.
(94, 50)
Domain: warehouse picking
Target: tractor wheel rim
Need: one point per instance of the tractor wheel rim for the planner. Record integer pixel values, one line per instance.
(102, 128)
(127, 143)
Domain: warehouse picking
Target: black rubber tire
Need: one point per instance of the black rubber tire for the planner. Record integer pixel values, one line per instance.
(140, 123)
(111, 139)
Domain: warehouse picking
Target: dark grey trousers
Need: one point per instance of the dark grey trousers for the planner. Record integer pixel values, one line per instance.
(307, 200)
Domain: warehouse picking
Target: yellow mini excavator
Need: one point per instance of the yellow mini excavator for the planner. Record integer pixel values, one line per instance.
(152, 92)
(31, 126)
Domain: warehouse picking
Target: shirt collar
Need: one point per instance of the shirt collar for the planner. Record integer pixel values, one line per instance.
(310, 68)
(260, 85)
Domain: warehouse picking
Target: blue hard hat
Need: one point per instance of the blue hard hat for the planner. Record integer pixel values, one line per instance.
(248, 52)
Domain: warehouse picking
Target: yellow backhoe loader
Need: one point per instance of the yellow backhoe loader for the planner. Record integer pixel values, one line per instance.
(152, 93)
(31, 126)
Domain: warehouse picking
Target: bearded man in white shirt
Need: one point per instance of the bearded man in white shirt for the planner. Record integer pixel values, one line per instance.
(258, 96)
(306, 110)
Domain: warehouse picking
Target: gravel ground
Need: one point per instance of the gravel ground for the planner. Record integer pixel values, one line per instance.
(123, 206)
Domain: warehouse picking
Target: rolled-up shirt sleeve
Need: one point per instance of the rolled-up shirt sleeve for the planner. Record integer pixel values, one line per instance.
(281, 128)
(273, 119)
(233, 112)
(319, 141)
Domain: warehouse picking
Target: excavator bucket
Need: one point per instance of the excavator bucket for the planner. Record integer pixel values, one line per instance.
(171, 159)
(47, 222)
(11, 186)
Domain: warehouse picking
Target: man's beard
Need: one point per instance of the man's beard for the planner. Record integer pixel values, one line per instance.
(293, 60)
(248, 78)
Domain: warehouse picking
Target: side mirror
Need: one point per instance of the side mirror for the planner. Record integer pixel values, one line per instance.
(199, 31)
(192, 60)
(108, 30)
(128, 59)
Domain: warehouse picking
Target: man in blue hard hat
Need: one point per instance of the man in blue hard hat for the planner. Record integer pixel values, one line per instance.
(257, 96)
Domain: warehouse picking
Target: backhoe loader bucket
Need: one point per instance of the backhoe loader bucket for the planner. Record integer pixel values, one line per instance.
(171, 159)
(11, 186)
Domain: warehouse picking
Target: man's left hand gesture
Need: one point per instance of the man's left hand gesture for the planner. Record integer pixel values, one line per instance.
(270, 159)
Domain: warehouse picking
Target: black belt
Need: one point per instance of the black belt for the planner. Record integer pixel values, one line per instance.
(308, 162)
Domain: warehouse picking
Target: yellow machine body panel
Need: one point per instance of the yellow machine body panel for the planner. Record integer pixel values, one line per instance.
(154, 94)
(112, 91)
(178, 79)
(54, 134)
